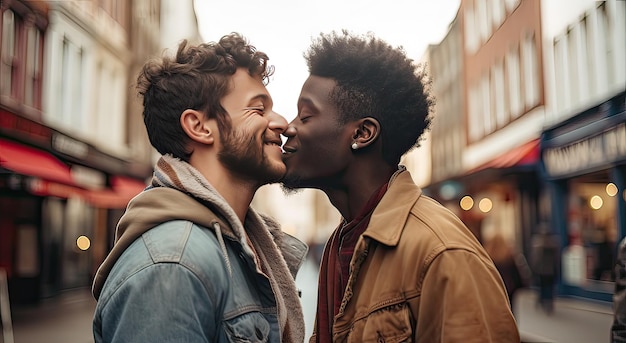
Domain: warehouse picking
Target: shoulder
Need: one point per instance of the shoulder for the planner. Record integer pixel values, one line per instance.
(170, 241)
(182, 245)
(432, 230)
(431, 221)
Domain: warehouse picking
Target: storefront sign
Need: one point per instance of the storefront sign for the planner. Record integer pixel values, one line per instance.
(69, 146)
(606, 147)
(88, 177)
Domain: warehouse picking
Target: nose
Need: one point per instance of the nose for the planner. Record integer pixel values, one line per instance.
(277, 122)
(290, 131)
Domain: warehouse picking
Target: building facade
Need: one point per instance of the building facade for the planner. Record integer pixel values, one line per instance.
(583, 145)
(70, 160)
(502, 105)
(448, 126)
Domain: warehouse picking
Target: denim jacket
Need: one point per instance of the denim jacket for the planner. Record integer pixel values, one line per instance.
(181, 281)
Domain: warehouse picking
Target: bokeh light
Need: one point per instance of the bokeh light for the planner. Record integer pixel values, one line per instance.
(485, 205)
(596, 202)
(83, 243)
(611, 189)
(467, 203)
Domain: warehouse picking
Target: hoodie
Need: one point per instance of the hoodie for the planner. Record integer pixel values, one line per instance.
(278, 255)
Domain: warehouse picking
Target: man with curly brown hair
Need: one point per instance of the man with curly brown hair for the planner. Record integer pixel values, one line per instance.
(192, 262)
(400, 267)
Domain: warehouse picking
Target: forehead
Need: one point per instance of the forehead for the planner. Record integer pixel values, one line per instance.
(317, 89)
(245, 87)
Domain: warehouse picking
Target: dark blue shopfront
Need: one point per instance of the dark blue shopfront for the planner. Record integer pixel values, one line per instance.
(584, 167)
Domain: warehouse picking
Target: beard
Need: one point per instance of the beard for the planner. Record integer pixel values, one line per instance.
(290, 185)
(243, 155)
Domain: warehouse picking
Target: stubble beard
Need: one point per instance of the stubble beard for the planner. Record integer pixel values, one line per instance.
(245, 156)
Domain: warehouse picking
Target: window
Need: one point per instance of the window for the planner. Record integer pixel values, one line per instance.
(561, 74)
(8, 57)
(32, 90)
(497, 85)
(513, 76)
(497, 12)
(607, 34)
(474, 122)
(482, 21)
(591, 224)
(602, 39)
(486, 112)
(70, 110)
(471, 34)
(531, 72)
(583, 62)
(63, 91)
(573, 59)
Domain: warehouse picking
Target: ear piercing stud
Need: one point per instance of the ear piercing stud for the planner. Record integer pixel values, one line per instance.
(354, 146)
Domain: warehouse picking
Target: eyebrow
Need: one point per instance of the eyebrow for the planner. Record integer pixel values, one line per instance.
(264, 97)
(307, 102)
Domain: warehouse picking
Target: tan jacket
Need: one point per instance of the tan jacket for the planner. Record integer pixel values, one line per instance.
(419, 275)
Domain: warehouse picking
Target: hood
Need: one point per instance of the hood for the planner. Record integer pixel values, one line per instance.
(158, 205)
(147, 210)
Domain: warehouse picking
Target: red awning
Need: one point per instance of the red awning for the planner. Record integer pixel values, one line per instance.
(122, 190)
(26, 160)
(525, 154)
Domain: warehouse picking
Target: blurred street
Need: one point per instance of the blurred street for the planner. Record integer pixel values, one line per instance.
(573, 320)
(67, 318)
(63, 319)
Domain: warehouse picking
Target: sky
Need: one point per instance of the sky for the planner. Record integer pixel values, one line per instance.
(285, 28)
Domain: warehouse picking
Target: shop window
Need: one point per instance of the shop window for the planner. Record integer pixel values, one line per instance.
(592, 225)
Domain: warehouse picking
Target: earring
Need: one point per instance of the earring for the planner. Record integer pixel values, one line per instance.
(354, 146)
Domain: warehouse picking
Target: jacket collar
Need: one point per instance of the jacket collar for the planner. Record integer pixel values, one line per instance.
(388, 219)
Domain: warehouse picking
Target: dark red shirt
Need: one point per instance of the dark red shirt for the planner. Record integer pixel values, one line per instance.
(334, 280)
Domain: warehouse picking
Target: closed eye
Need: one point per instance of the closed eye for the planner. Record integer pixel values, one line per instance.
(259, 110)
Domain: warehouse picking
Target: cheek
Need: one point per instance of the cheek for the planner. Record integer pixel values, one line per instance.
(323, 152)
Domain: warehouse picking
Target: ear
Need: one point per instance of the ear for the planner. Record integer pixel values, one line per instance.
(196, 126)
(367, 131)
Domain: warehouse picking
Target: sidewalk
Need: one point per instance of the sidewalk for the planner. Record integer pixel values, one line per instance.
(573, 320)
(63, 319)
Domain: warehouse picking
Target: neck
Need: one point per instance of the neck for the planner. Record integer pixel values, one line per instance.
(238, 193)
(357, 187)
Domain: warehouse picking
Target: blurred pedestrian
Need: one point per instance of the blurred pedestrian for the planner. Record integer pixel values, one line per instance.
(510, 263)
(400, 267)
(618, 329)
(192, 262)
(544, 264)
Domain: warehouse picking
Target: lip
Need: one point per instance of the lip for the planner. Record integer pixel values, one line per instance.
(268, 140)
(288, 152)
(288, 149)
(274, 147)
(273, 141)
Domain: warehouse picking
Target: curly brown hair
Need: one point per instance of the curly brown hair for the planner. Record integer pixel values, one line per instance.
(375, 80)
(197, 78)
